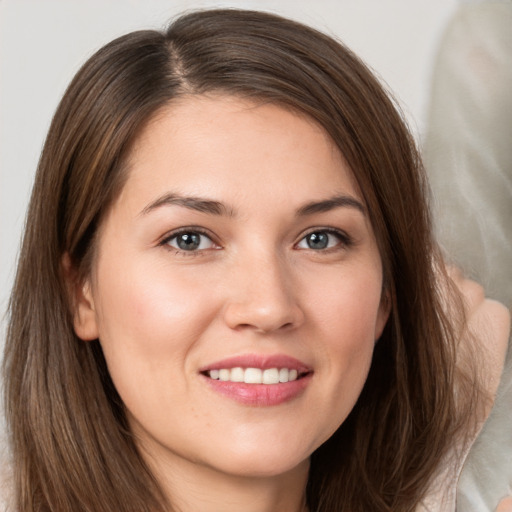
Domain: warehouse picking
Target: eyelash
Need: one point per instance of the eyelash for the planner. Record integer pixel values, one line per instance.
(165, 242)
(345, 241)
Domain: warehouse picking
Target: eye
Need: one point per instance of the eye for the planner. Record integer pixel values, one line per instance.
(189, 241)
(323, 239)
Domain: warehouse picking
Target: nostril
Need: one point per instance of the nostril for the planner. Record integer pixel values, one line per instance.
(242, 327)
(262, 328)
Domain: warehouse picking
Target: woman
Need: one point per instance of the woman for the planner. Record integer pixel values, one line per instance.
(226, 297)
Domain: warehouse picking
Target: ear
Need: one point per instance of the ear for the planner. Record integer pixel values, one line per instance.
(82, 303)
(383, 313)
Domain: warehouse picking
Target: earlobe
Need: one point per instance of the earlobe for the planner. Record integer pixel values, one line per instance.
(82, 302)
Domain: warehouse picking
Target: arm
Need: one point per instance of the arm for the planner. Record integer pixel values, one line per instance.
(505, 505)
(488, 322)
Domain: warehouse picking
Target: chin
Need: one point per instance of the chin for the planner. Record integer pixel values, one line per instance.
(263, 469)
(271, 461)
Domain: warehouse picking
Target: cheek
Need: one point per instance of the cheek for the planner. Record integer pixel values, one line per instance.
(148, 320)
(348, 315)
(145, 300)
(349, 306)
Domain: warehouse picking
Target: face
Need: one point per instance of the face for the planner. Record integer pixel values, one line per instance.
(236, 289)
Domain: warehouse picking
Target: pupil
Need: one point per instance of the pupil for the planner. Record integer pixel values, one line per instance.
(318, 240)
(188, 241)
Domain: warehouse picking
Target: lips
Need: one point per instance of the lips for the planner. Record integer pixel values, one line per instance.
(258, 380)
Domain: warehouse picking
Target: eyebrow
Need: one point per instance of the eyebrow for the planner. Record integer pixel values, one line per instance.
(193, 203)
(213, 207)
(341, 201)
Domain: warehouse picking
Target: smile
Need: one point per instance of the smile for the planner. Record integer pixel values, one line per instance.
(258, 380)
(255, 375)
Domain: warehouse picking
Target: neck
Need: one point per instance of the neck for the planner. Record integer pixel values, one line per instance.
(191, 487)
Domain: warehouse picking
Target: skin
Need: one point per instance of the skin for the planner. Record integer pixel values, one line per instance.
(505, 505)
(254, 286)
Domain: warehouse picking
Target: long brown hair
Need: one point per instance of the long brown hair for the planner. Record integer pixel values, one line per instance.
(71, 445)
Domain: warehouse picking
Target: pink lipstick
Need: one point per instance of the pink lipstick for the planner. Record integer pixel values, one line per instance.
(258, 380)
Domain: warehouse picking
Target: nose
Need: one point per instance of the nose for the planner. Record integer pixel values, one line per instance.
(262, 297)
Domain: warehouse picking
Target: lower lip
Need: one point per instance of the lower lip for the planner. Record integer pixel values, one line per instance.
(260, 395)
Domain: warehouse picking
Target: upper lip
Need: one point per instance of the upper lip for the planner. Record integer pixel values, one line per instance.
(262, 361)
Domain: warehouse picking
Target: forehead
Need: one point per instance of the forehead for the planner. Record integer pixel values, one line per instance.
(231, 147)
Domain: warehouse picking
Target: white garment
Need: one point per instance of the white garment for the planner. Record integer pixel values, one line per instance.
(468, 154)
(468, 146)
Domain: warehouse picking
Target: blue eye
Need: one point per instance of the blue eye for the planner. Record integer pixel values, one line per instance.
(190, 241)
(321, 240)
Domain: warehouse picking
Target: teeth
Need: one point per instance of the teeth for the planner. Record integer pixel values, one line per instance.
(237, 375)
(224, 375)
(254, 375)
(283, 375)
(271, 376)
